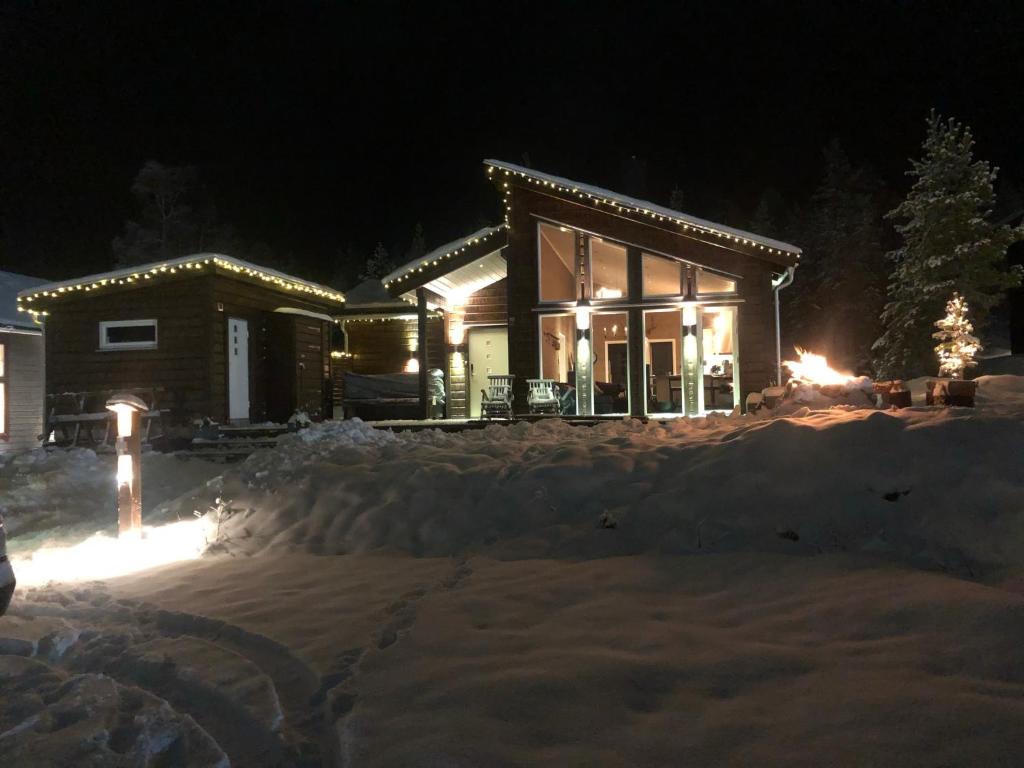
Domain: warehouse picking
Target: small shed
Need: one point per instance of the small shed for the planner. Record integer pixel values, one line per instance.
(21, 368)
(205, 335)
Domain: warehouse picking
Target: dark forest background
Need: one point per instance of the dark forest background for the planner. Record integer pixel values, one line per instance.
(314, 134)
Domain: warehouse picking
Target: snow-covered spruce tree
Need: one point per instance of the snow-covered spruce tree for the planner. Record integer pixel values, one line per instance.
(378, 264)
(949, 244)
(957, 346)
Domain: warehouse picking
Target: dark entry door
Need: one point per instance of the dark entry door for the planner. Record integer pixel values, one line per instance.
(661, 357)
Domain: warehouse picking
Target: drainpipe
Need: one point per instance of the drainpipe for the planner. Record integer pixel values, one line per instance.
(784, 281)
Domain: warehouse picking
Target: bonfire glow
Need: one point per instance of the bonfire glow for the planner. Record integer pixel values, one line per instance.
(102, 556)
(814, 369)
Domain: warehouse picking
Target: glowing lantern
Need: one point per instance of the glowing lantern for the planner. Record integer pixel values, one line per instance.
(129, 463)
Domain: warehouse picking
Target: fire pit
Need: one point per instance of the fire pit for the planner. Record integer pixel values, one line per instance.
(814, 382)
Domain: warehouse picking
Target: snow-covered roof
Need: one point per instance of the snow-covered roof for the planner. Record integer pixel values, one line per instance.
(196, 261)
(644, 208)
(446, 251)
(11, 284)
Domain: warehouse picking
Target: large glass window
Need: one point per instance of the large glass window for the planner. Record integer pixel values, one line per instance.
(663, 344)
(709, 282)
(557, 263)
(718, 358)
(609, 336)
(558, 356)
(662, 277)
(608, 272)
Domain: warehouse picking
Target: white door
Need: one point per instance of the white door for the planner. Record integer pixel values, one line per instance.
(238, 369)
(488, 353)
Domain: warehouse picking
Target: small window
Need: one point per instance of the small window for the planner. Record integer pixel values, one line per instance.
(709, 282)
(608, 269)
(662, 277)
(3, 391)
(557, 263)
(128, 334)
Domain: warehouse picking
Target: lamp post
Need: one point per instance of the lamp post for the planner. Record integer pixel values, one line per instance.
(129, 462)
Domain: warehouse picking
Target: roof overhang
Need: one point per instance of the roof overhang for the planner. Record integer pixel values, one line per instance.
(36, 301)
(454, 270)
(766, 248)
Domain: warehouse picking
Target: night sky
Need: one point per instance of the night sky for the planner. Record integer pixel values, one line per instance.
(321, 128)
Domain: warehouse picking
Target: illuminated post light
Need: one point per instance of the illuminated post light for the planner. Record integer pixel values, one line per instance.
(584, 358)
(128, 409)
(693, 389)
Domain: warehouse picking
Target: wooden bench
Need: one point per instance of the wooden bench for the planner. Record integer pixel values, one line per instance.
(83, 416)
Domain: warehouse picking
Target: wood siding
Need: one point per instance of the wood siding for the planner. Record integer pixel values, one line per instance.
(24, 364)
(755, 314)
(488, 306)
(189, 364)
(384, 346)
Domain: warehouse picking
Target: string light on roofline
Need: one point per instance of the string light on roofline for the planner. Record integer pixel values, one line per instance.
(619, 206)
(173, 268)
(434, 259)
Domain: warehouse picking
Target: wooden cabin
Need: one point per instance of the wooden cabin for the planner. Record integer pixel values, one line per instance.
(629, 307)
(21, 368)
(205, 335)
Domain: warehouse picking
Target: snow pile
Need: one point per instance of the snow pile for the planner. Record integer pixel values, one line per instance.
(73, 491)
(935, 487)
(858, 392)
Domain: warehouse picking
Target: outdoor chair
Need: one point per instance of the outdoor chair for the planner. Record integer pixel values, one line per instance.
(497, 398)
(542, 397)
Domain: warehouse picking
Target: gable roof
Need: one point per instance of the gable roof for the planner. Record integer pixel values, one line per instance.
(11, 283)
(463, 247)
(774, 249)
(158, 269)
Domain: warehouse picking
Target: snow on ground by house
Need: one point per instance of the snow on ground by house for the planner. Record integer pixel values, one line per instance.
(938, 488)
(725, 591)
(63, 494)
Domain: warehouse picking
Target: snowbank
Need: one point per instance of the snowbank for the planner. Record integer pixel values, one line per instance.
(934, 487)
(71, 492)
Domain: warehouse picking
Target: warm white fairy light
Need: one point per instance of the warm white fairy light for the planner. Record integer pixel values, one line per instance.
(621, 206)
(957, 345)
(434, 259)
(175, 267)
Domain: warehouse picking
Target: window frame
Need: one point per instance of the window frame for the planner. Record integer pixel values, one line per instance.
(541, 301)
(108, 346)
(5, 414)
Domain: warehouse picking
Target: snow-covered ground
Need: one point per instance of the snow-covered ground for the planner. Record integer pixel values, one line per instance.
(837, 587)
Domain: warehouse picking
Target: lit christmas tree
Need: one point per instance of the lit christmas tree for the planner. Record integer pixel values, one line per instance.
(957, 346)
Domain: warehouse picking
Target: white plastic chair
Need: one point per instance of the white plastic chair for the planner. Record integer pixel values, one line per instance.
(497, 398)
(542, 397)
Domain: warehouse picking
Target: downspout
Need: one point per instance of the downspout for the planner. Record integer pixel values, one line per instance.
(784, 281)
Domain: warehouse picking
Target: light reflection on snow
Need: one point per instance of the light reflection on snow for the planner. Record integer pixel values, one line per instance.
(102, 556)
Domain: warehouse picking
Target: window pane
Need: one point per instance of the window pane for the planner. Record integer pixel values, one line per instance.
(608, 269)
(557, 266)
(709, 282)
(3, 363)
(558, 356)
(609, 337)
(721, 373)
(663, 344)
(3, 406)
(662, 277)
(131, 334)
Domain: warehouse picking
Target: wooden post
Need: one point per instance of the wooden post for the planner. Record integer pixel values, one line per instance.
(421, 349)
(129, 494)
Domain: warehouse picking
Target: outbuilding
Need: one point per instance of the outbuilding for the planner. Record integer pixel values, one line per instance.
(206, 335)
(21, 368)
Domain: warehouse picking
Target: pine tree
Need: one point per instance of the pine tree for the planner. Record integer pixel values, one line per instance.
(839, 288)
(377, 265)
(957, 346)
(418, 246)
(949, 243)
